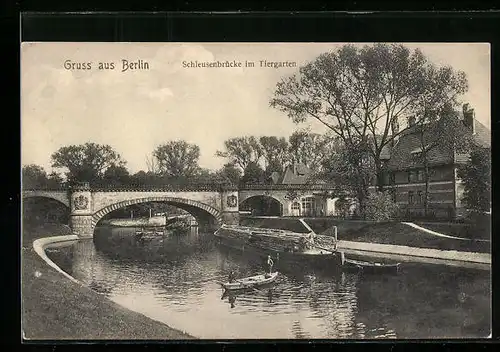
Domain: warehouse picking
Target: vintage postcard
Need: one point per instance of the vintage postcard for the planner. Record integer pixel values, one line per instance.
(177, 191)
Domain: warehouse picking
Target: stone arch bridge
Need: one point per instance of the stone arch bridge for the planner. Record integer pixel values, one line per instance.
(212, 205)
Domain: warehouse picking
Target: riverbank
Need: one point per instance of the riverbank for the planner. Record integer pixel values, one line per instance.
(391, 233)
(56, 308)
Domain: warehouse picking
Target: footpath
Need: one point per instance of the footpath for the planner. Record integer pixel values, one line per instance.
(410, 242)
(56, 308)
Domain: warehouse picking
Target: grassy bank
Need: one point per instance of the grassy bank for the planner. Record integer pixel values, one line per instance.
(480, 231)
(404, 235)
(56, 308)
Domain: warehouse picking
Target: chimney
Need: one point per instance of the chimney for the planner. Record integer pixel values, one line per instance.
(295, 168)
(469, 118)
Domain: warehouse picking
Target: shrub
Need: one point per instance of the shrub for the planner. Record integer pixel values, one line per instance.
(345, 207)
(380, 207)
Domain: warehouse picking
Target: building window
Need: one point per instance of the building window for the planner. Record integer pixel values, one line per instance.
(420, 175)
(420, 197)
(296, 208)
(415, 176)
(308, 206)
(410, 197)
(412, 176)
(392, 178)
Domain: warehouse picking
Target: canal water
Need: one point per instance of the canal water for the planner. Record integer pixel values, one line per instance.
(174, 280)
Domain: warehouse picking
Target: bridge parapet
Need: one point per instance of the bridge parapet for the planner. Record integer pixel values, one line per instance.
(166, 188)
(286, 187)
(46, 189)
(212, 187)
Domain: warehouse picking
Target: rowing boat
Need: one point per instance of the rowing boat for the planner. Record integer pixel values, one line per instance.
(250, 282)
(369, 267)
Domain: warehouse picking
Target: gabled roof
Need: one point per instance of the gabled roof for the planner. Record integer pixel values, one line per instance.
(275, 177)
(404, 155)
(301, 175)
(483, 135)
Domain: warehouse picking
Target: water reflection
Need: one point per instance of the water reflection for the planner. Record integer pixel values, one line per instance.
(175, 279)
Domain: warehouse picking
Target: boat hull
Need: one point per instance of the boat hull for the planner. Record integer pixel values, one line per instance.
(250, 282)
(325, 260)
(370, 268)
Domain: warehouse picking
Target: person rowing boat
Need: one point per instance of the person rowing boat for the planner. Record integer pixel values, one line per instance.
(231, 276)
(270, 263)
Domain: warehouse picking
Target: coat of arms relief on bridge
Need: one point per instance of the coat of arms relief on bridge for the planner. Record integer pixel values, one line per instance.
(232, 201)
(81, 202)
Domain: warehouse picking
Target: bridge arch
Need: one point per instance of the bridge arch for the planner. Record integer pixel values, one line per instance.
(192, 206)
(61, 197)
(274, 204)
(42, 208)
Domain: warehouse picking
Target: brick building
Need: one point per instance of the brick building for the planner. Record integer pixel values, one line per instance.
(405, 175)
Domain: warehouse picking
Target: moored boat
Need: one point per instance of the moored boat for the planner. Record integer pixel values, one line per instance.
(370, 267)
(282, 245)
(179, 226)
(250, 282)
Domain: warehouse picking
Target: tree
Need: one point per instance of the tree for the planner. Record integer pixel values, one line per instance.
(87, 162)
(241, 151)
(275, 152)
(350, 171)
(177, 159)
(380, 207)
(476, 176)
(310, 149)
(253, 173)
(34, 176)
(116, 175)
(361, 94)
(229, 173)
(273, 166)
(54, 180)
(151, 164)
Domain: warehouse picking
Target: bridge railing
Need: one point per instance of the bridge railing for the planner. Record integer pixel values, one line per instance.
(141, 187)
(47, 189)
(167, 188)
(286, 187)
(190, 187)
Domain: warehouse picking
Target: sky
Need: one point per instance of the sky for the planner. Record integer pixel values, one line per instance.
(136, 110)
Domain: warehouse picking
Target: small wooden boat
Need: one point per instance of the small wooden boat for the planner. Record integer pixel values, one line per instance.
(370, 267)
(148, 234)
(250, 282)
